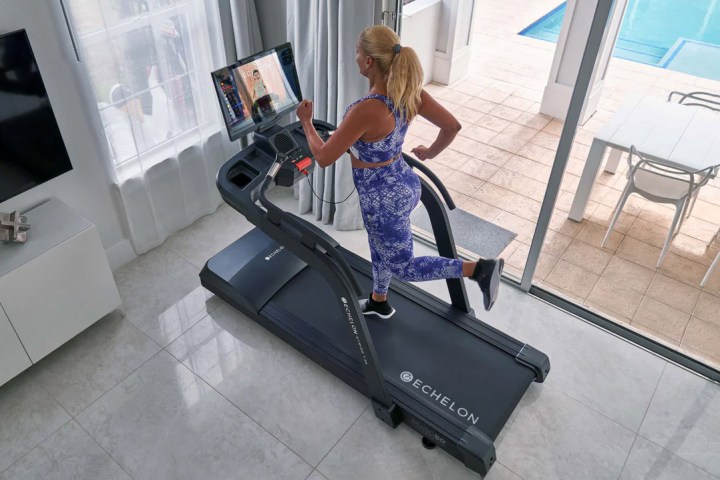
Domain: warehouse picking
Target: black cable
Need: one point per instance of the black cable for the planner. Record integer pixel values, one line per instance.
(325, 201)
(324, 138)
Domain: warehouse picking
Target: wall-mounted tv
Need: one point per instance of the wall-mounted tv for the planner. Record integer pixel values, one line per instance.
(31, 147)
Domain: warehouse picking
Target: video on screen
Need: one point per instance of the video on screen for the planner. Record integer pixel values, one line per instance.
(256, 92)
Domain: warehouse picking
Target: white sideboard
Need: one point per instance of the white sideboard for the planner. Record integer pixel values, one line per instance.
(13, 358)
(52, 287)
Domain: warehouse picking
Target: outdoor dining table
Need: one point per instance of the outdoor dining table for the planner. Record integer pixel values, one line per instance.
(670, 133)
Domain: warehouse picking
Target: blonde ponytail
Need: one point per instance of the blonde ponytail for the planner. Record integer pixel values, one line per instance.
(400, 64)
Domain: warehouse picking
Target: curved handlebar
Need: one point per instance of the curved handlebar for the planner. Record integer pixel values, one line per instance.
(414, 163)
(276, 212)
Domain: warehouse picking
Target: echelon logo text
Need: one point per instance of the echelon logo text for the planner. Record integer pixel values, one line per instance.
(439, 397)
(275, 252)
(353, 326)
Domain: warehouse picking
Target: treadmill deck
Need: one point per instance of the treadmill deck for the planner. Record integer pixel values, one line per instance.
(421, 353)
(427, 357)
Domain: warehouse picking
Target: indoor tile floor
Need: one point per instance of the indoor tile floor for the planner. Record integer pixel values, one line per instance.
(499, 165)
(185, 387)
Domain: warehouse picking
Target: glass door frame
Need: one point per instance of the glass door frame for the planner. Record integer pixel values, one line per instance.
(389, 13)
(601, 19)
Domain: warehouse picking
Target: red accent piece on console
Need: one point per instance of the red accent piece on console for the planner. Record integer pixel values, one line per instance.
(304, 163)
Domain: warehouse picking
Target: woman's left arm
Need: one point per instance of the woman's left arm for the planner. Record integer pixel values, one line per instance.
(348, 132)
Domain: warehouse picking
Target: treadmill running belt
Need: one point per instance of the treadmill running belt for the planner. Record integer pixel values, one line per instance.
(465, 380)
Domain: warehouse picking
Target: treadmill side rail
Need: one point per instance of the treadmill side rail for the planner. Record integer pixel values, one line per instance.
(477, 450)
(536, 360)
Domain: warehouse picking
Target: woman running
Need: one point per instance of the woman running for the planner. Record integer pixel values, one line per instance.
(374, 129)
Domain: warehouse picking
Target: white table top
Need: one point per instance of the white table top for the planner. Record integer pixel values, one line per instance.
(675, 134)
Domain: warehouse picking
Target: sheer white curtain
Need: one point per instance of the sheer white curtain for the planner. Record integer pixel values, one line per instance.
(323, 35)
(149, 64)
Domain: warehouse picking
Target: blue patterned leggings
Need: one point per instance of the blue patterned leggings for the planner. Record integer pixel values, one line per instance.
(388, 196)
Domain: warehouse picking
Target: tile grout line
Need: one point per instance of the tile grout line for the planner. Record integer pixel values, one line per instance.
(511, 470)
(74, 418)
(648, 409)
(181, 256)
(39, 443)
(657, 385)
(678, 456)
(591, 408)
(343, 436)
(119, 382)
(103, 449)
(644, 292)
(628, 456)
(621, 338)
(682, 337)
(238, 408)
(657, 272)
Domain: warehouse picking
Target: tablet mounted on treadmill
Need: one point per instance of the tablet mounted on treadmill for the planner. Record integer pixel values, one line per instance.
(254, 94)
(434, 366)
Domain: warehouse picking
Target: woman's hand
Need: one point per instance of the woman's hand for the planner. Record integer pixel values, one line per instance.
(422, 152)
(305, 110)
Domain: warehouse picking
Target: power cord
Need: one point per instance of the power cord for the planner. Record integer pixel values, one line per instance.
(316, 195)
(324, 135)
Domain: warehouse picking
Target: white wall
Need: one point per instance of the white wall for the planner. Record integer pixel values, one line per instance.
(420, 23)
(87, 188)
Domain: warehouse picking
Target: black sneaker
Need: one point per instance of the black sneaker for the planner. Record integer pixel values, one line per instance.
(369, 306)
(487, 273)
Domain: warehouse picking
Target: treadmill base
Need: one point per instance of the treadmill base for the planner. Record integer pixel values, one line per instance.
(256, 275)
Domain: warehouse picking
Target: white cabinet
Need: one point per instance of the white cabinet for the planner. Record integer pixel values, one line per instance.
(13, 358)
(58, 283)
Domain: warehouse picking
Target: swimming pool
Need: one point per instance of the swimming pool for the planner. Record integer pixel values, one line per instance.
(673, 34)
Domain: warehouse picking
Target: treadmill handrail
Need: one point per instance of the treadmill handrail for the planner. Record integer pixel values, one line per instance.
(339, 282)
(441, 229)
(414, 163)
(344, 285)
(307, 229)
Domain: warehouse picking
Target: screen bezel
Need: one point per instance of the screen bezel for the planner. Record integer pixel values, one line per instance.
(266, 122)
(62, 156)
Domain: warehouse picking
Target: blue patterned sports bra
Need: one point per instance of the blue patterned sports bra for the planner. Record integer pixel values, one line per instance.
(387, 148)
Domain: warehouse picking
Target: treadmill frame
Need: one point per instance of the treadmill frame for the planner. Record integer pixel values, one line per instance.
(320, 251)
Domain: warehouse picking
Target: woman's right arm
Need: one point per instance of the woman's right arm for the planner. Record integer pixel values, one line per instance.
(351, 128)
(441, 118)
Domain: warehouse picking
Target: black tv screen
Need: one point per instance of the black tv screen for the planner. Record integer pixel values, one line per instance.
(258, 90)
(31, 147)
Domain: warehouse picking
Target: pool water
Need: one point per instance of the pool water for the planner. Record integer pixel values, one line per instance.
(681, 35)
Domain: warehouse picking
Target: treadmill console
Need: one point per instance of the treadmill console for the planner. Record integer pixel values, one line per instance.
(289, 143)
(296, 163)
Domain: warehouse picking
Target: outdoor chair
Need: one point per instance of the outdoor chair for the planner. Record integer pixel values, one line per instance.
(710, 270)
(714, 263)
(661, 183)
(698, 99)
(710, 101)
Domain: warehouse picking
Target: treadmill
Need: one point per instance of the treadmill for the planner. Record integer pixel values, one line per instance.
(433, 365)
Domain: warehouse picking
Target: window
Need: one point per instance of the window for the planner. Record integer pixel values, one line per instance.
(149, 63)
